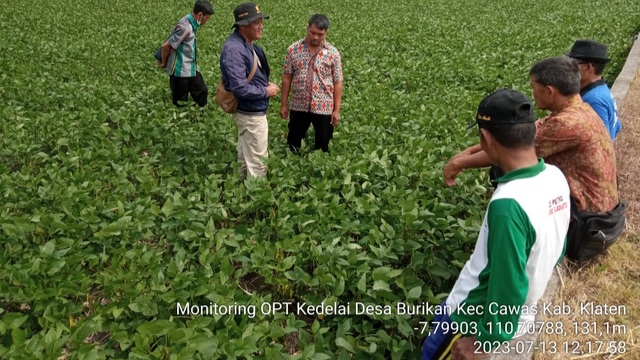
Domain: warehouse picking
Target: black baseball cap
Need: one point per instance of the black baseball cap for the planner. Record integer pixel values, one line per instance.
(504, 107)
(246, 13)
(589, 50)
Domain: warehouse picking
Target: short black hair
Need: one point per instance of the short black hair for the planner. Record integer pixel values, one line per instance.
(513, 136)
(563, 73)
(204, 7)
(321, 21)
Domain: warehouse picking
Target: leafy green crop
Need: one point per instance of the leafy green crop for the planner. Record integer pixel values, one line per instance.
(116, 206)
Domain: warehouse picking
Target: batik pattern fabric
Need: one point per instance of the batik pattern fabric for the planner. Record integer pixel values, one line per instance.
(575, 140)
(314, 77)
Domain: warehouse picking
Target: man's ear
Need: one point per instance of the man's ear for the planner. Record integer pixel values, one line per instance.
(551, 91)
(485, 136)
(588, 66)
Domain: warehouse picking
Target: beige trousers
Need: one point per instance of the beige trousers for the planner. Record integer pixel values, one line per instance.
(253, 140)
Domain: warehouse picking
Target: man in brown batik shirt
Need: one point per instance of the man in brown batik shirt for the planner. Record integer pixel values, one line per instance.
(573, 138)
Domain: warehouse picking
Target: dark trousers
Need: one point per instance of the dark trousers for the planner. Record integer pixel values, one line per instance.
(299, 122)
(182, 86)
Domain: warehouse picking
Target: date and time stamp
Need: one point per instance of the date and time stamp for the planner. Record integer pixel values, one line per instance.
(552, 347)
(591, 329)
(575, 338)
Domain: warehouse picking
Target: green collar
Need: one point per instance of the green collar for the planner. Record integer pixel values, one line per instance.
(193, 22)
(522, 173)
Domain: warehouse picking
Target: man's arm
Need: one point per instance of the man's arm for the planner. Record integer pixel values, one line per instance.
(509, 235)
(469, 151)
(284, 101)
(509, 239)
(337, 102)
(179, 33)
(164, 54)
(337, 88)
(470, 158)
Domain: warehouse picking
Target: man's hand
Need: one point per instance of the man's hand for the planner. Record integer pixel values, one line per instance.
(335, 118)
(465, 349)
(272, 89)
(454, 166)
(284, 111)
(161, 65)
(451, 170)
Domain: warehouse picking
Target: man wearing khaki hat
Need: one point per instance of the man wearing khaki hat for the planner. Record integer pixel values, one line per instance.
(240, 60)
(592, 57)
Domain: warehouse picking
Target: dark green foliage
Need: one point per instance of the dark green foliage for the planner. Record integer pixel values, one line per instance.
(114, 205)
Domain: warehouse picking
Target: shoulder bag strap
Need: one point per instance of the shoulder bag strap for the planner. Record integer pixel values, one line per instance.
(255, 66)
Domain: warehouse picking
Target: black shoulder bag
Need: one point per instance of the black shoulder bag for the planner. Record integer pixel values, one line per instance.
(591, 233)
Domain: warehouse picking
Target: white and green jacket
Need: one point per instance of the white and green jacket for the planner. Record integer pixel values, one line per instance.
(522, 238)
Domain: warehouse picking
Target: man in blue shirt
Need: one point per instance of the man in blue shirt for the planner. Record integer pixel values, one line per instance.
(592, 57)
(238, 59)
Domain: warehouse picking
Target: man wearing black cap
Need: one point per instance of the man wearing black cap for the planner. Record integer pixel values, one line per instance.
(592, 57)
(521, 239)
(241, 60)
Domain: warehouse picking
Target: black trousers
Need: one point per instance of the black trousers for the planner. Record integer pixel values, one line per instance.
(299, 122)
(182, 86)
